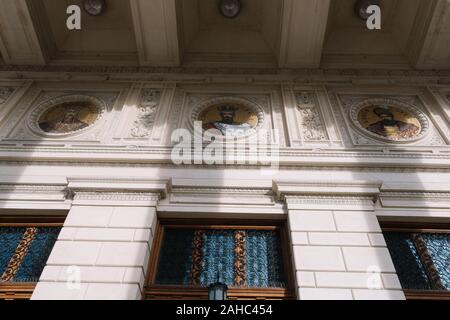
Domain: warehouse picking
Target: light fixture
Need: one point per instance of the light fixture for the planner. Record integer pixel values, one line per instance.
(218, 290)
(361, 8)
(230, 8)
(95, 7)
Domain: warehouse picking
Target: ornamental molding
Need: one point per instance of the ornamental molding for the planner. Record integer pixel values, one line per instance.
(116, 196)
(138, 187)
(429, 196)
(40, 109)
(308, 190)
(323, 200)
(255, 107)
(30, 188)
(355, 109)
(158, 71)
(359, 162)
(34, 193)
(219, 190)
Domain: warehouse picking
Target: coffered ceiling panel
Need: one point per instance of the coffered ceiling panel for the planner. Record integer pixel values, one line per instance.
(105, 38)
(350, 43)
(249, 39)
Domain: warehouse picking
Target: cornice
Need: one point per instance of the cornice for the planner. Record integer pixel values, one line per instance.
(394, 159)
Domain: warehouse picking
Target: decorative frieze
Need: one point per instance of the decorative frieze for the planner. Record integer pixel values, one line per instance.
(147, 110)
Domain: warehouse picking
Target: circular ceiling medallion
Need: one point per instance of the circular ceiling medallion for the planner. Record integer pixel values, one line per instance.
(389, 120)
(361, 7)
(95, 7)
(229, 117)
(230, 8)
(66, 115)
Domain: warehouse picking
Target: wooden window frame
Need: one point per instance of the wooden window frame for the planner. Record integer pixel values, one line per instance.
(419, 227)
(24, 290)
(153, 291)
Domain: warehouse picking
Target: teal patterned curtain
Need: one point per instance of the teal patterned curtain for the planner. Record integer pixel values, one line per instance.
(201, 257)
(218, 261)
(438, 246)
(9, 240)
(24, 252)
(264, 260)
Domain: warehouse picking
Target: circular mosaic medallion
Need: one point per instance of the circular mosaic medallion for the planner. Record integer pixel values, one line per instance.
(66, 115)
(390, 120)
(231, 117)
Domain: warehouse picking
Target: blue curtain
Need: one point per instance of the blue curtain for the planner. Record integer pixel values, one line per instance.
(36, 256)
(438, 246)
(218, 257)
(263, 258)
(9, 240)
(264, 267)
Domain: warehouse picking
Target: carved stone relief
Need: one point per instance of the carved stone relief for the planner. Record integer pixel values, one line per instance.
(311, 122)
(147, 110)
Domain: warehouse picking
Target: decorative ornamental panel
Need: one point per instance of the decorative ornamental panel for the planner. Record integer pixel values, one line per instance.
(24, 252)
(5, 93)
(311, 122)
(238, 258)
(147, 110)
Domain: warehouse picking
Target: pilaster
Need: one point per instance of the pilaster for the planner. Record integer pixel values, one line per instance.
(103, 249)
(338, 249)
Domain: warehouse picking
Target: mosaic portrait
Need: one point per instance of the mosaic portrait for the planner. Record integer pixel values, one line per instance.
(229, 119)
(390, 122)
(69, 117)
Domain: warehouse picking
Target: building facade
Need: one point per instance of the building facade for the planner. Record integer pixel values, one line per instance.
(118, 179)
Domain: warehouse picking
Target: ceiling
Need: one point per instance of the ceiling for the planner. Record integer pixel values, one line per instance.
(267, 33)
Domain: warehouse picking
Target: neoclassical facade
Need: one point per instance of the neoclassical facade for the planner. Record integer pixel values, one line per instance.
(347, 197)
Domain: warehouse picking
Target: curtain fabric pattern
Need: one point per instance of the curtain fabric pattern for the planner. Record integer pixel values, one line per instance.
(24, 252)
(221, 255)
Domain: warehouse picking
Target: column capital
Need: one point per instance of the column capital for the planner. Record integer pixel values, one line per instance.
(117, 191)
(328, 195)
